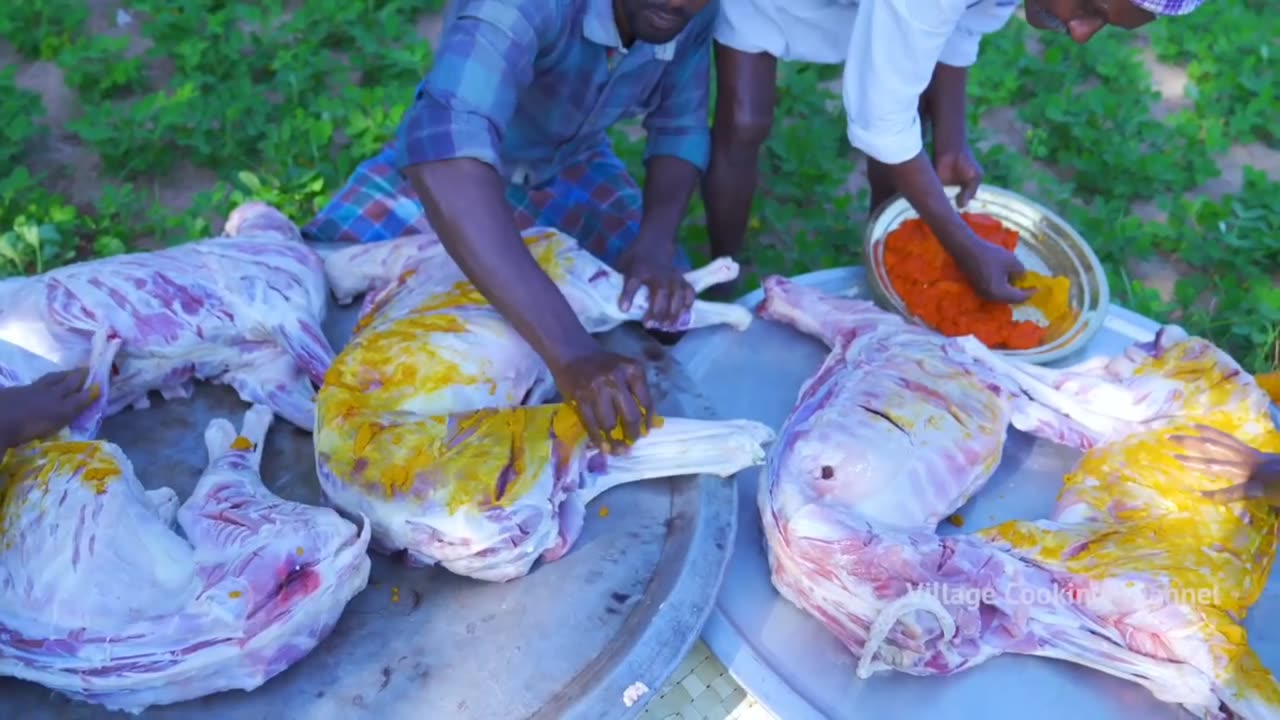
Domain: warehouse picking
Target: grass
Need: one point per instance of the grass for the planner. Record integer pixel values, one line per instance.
(279, 101)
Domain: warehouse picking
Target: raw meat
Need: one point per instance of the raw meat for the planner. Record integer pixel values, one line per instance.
(901, 426)
(449, 449)
(361, 269)
(243, 311)
(106, 603)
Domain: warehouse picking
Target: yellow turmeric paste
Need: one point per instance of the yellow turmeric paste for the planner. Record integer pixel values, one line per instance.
(934, 289)
(1156, 524)
(1270, 382)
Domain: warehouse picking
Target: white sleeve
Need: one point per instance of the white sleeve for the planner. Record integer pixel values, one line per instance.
(892, 52)
(979, 20)
(962, 47)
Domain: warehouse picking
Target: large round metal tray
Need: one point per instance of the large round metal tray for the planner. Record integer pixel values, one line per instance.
(1048, 245)
(564, 643)
(792, 665)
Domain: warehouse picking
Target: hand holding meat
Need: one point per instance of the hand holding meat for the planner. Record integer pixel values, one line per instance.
(670, 294)
(1253, 474)
(44, 407)
(609, 393)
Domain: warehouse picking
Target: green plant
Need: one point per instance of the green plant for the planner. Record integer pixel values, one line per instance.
(282, 100)
(42, 29)
(1234, 70)
(99, 68)
(20, 111)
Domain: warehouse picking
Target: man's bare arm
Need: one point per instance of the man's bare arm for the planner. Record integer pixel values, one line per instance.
(466, 205)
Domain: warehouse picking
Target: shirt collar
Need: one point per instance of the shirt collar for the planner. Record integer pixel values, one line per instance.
(600, 26)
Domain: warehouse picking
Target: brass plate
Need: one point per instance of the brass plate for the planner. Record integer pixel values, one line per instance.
(1047, 245)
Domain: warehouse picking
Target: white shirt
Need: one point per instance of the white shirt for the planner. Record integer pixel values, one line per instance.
(889, 49)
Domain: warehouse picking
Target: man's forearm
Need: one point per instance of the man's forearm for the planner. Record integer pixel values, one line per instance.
(668, 186)
(947, 96)
(466, 205)
(919, 184)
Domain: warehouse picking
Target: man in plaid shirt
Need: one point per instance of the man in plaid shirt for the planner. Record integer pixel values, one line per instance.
(508, 131)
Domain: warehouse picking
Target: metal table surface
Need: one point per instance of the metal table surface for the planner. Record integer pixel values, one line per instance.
(792, 664)
(563, 643)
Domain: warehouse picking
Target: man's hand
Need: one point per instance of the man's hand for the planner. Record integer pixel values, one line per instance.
(958, 166)
(1253, 474)
(670, 295)
(990, 270)
(44, 407)
(610, 393)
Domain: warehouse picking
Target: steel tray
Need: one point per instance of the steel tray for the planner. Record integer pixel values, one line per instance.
(624, 606)
(793, 665)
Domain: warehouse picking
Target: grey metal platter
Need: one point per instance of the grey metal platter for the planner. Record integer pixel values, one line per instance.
(563, 643)
(792, 664)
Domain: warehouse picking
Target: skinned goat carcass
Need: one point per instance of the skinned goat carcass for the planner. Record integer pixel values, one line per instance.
(106, 603)
(432, 421)
(243, 311)
(901, 426)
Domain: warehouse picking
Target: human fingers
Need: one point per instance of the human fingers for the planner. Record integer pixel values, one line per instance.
(71, 406)
(969, 188)
(638, 386)
(1211, 443)
(688, 296)
(1010, 268)
(630, 287)
(1220, 439)
(680, 297)
(629, 416)
(1016, 296)
(1232, 494)
(660, 292)
(1216, 467)
(605, 409)
(583, 406)
(1004, 291)
(63, 382)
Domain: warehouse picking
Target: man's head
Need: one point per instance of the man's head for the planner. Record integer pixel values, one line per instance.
(1082, 19)
(655, 21)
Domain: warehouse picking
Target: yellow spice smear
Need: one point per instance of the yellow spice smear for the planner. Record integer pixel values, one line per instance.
(388, 419)
(26, 473)
(1270, 382)
(1051, 301)
(1152, 522)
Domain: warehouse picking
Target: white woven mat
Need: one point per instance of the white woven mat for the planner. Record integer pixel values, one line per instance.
(701, 689)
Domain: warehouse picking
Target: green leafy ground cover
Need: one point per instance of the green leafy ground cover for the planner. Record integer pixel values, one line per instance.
(1162, 148)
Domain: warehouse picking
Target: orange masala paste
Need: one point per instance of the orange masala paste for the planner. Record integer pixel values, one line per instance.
(935, 291)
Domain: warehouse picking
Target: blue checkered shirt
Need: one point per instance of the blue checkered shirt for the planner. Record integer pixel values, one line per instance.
(529, 86)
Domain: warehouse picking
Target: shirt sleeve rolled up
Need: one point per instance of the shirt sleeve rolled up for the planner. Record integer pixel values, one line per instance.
(463, 106)
(893, 49)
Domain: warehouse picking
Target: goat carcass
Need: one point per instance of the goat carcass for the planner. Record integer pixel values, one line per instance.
(243, 310)
(901, 426)
(431, 421)
(104, 602)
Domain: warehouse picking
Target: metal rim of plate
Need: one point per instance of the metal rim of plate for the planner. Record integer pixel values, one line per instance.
(1048, 244)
